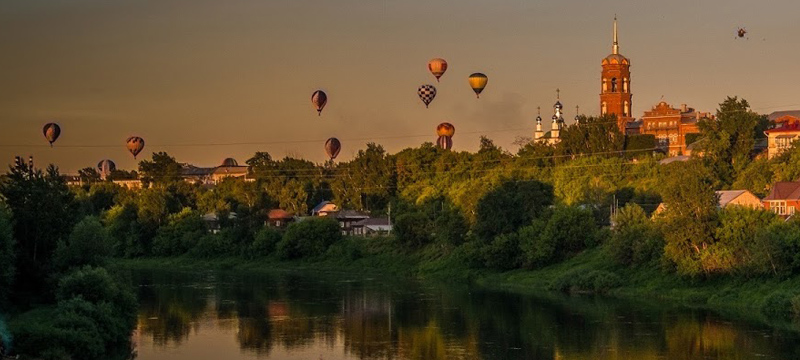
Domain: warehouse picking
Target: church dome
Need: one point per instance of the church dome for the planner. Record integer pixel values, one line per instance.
(230, 162)
(616, 59)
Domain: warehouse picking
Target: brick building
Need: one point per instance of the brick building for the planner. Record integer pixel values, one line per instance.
(670, 126)
(615, 90)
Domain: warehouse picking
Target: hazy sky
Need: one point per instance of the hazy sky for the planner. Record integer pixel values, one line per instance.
(184, 72)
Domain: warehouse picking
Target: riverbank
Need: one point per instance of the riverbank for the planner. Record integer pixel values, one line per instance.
(739, 298)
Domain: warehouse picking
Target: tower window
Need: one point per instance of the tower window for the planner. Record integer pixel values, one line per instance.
(605, 85)
(625, 85)
(614, 85)
(604, 108)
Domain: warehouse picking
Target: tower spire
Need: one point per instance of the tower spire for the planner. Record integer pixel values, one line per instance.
(615, 48)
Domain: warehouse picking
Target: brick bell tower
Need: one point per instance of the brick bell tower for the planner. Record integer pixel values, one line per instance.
(615, 95)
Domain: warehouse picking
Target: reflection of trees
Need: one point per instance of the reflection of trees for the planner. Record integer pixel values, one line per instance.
(168, 312)
(376, 321)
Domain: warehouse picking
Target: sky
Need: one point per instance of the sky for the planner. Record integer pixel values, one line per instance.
(206, 79)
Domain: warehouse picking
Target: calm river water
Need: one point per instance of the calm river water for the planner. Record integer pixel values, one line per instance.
(221, 315)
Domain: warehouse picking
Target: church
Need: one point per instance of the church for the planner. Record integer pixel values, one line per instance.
(670, 126)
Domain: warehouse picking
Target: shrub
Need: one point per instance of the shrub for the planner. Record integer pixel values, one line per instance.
(636, 239)
(511, 206)
(88, 244)
(595, 281)
(310, 237)
(779, 304)
(537, 251)
(180, 234)
(503, 252)
(413, 229)
(212, 245)
(265, 242)
(568, 231)
(451, 228)
(348, 249)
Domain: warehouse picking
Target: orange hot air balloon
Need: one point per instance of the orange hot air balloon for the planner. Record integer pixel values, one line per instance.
(437, 67)
(478, 82)
(445, 129)
(332, 147)
(445, 142)
(135, 145)
(319, 99)
(51, 132)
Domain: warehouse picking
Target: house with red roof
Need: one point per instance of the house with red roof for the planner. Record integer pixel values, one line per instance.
(784, 198)
(785, 132)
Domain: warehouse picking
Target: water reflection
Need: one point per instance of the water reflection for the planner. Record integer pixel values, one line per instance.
(284, 316)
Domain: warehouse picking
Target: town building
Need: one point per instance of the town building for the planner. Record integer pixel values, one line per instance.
(783, 198)
(372, 227)
(670, 126)
(615, 88)
(785, 131)
(743, 198)
(279, 218)
(324, 208)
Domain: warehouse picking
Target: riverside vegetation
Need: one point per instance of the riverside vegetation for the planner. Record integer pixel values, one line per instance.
(536, 220)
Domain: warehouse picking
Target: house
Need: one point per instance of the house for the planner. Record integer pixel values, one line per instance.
(782, 136)
(279, 218)
(213, 223)
(784, 198)
(728, 198)
(347, 219)
(372, 226)
(738, 197)
(324, 208)
(130, 184)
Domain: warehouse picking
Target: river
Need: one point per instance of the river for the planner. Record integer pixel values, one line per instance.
(288, 315)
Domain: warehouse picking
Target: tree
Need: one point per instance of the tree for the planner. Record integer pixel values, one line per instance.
(310, 237)
(413, 229)
(43, 211)
(729, 139)
(636, 239)
(592, 135)
(161, 170)
(7, 255)
(568, 231)
(510, 206)
(88, 244)
(733, 251)
(690, 215)
(89, 175)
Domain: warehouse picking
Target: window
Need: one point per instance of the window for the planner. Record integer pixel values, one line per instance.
(605, 85)
(604, 109)
(779, 207)
(613, 84)
(627, 109)
(784, 142)
(625, 85)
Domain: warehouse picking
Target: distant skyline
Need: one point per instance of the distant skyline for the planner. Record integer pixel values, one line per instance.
(188, 72)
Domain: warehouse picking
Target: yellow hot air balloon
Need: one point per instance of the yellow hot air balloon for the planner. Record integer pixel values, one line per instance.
(445, 129)
(478, 81)
(437, 67)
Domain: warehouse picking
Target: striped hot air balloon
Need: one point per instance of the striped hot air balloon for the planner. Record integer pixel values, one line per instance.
(51, 132)
(332, 147)
(426, 94)
(437, 67)
(478, 82)
(106, 167)
(319, 99)
(445, 142)
(445, 129)
(135, 145)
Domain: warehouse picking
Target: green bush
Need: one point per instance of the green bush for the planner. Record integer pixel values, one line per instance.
(451, 228)
(348, 249)
(310, 237)
(645, 142)
(503, 253)
(779, 304)
(568, 231)
(636, 240)
(265, 242)
(413, 229)
(180, 234)
(511, 206)
(88, 244)
(212, 245)
(578, 281)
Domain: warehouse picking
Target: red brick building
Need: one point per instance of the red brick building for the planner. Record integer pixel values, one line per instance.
(615, 91)
(784, 198)
(670, 126)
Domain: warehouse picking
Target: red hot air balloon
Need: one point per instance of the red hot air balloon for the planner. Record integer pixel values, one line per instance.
(332, 147)
(445, 142)
(51, 132)
(445, 129)
(437, 67)
(319, 99)
(135, 145)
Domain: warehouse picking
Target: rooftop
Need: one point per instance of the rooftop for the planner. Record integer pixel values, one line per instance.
(785, 190)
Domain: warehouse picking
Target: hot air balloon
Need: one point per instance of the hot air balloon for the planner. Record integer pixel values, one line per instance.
(106, 167)
(319, 99)
(445, 129)
(445, 142)
(478, 81)
(51, 132)
(135, 145)
(426, 94)
(437, 67)
(332, 147)
(741, 32)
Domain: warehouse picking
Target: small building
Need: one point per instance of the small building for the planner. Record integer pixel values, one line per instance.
(279, 218)
(347, 219)
(130, 184)
(784, 198)
(372, 226)
(728, 198)
(324, 208)
(213, 223)
(223, 172)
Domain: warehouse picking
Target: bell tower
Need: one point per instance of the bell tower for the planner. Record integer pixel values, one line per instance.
(615, 94)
